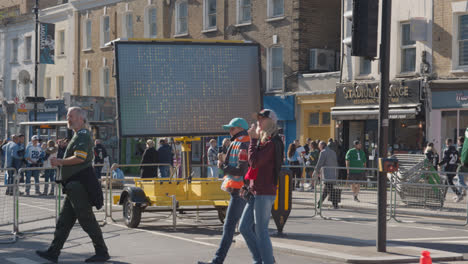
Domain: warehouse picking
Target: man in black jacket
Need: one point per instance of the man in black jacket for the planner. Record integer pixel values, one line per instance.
(150, 156)
(450, 160)
(100, 154)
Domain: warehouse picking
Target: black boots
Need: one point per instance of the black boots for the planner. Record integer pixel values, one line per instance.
(98, 258)
(47, 255)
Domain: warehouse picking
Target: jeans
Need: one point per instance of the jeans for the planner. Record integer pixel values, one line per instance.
(461, 178)
(49, 176)
(164, 170)
(214, 172)
(233, 214)
(254, 228)
(35, 174)
(98, 170)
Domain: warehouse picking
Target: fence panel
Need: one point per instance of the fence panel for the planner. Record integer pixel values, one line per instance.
(7, 209)
(357, 196)
(37, 201)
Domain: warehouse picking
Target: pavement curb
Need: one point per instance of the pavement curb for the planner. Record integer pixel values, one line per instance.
(436, 255)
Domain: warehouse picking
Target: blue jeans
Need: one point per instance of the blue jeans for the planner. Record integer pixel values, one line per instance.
(233, 214)
(213, 172)
(35, 174)
(164, 170)
(254, 228)
(49, 176)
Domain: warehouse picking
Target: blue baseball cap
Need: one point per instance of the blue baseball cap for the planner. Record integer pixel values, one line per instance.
(237, 122)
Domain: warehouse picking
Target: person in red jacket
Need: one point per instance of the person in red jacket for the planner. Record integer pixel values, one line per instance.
(266, 156)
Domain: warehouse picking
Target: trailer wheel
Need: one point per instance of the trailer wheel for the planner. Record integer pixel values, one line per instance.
(221, 213)
(131, 213)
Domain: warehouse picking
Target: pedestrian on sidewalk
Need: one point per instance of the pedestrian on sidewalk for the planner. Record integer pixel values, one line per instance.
(451, 161)
(266, 156)
(32, 155)
(312, 160)
(293, 159)
(327, 158)
(82, 189)
(150, 156)
(165, 156)
(235, 165)
(213, 158)
(8, 149)
(100, 155)
(49, 174)
(431, 155)
(355, 161)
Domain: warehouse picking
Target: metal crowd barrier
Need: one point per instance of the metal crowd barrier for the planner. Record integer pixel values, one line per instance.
(9, 211)
(110, 183)
(39, 207)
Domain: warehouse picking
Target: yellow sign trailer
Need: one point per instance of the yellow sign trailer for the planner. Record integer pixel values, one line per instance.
(161, 193)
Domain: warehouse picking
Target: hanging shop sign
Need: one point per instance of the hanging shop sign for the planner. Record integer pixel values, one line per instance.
(400, 92)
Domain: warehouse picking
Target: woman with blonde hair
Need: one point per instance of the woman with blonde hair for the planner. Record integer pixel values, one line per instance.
(266, 153)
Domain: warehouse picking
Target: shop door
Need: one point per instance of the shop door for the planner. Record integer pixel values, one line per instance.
(356, 131)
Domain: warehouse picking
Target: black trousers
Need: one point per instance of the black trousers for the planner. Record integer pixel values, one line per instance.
(328, 190)
(450, 177)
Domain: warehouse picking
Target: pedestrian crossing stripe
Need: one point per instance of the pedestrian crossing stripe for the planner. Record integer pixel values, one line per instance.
(22, 261)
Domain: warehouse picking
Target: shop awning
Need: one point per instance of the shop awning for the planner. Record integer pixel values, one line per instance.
(372, 112)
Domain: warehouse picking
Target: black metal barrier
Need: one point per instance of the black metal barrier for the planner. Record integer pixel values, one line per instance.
(283, 202)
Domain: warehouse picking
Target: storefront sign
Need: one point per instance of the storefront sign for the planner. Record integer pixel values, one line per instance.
(406, 92)
(449, 99)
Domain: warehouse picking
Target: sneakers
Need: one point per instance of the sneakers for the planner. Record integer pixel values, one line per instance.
(47, 255)
(356, 199)
(458, 198)
(98, 258)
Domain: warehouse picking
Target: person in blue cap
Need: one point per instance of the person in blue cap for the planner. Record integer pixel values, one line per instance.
(235, 166)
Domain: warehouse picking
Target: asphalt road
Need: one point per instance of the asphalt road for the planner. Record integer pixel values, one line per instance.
(154, 241)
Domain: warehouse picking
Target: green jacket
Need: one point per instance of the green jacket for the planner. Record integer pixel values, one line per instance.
(464, 152)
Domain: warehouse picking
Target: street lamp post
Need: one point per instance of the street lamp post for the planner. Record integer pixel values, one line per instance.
(36, 62)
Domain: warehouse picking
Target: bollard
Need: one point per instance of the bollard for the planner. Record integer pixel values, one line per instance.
(425, 257)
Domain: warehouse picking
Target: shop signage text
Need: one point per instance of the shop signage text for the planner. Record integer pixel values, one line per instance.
(368, 93)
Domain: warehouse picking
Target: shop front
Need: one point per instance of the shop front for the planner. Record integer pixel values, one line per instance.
(284, 109)
(449, 111)
(315, 118)
(357, 112)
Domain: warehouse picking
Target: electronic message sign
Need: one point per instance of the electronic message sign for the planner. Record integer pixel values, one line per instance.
(185, 88)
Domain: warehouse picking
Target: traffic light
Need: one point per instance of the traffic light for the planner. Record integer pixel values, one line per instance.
(365, 28)
(32, 99)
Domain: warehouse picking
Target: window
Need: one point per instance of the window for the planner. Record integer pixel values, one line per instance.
(87, 34)
(60, 86)
(325, 118)
(151, 30)
(13, 89)
(276, 68)
(314, 119)
(210, 14)
(48, 87)
(365, 66)
(27, 48)
(127, 25)
(408, 50)
(105, 81)
(87, 82)
(181, 18)
(26, 89)
(14, 50)
(61, 42)
(244, 8)
(275, 8)
(105, 30)
(463, 40)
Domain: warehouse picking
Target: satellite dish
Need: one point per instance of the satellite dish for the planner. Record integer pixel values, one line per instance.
(24, 77)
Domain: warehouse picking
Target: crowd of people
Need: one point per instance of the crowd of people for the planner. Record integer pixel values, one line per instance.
(14, 153)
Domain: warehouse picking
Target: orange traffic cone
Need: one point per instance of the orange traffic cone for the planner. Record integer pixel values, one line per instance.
(425, 257)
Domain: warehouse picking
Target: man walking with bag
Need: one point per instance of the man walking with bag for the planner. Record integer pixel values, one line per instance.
(82, 189)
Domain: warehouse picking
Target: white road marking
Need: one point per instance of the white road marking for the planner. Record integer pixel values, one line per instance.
(170, 236)
(22, 261)
(430, 239)
(39, 207)
(206, 238)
